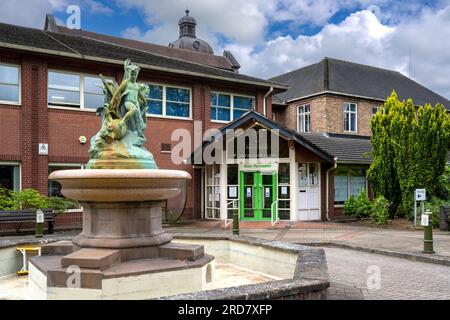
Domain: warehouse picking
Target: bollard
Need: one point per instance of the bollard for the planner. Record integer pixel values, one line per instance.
(39, 223)
(236, 222)
(428, 232)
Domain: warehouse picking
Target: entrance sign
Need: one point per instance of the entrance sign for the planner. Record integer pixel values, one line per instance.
(263, 167)
(421, 195)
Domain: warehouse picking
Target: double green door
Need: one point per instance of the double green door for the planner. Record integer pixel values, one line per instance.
(258, 194)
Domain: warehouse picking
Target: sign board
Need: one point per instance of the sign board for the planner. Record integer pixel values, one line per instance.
(248, 192)
(39, 216)
(425, 220)
(232, 192)
(267, 192)
(43, 149)
(264, 167)
(420, 195)
(284, 191)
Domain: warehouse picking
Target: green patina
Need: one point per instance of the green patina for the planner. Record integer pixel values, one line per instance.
(120, 142)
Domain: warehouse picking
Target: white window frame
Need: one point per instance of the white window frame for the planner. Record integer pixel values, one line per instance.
(213, 187)
(232, 95)
(377, 108)
(303, 114)
(75, 106)
(15, 103)
(349, 113)
(14, 163)
(164, 100)
(349, 167)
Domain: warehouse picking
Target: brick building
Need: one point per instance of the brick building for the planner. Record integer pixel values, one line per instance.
(49, 93)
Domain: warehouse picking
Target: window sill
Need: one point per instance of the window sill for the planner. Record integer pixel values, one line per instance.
(168, 117)
(72, 109)
(11, 103)
(221, 121)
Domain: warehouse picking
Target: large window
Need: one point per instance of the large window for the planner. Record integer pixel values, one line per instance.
(227, 107)
(350, 117)
(75, 90)
(348, 181)
(10, 176)
(213, 192)
(304, 118)
(9, 83)
(169, 101)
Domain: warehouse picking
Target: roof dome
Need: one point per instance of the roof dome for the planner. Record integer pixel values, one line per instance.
(188, 39)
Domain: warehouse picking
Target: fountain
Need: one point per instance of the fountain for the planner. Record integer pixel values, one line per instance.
(122, 252)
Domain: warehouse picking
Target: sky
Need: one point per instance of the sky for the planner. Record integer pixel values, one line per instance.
(271, 37)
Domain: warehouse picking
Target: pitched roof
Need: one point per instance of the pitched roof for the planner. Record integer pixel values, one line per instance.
(347, 148)
(254, 116)
(343, 77)
(35, 40)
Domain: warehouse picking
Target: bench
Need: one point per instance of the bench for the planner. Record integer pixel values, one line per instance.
(444, 218)
(21, 217)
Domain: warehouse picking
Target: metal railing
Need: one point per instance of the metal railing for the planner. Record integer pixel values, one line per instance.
(233, 202)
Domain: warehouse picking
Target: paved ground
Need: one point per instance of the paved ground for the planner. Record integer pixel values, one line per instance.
(400, 279)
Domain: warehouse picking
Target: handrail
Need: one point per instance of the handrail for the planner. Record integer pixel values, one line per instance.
(230, 221)
(272, 215)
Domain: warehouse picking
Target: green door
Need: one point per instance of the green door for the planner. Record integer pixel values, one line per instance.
(257, 191)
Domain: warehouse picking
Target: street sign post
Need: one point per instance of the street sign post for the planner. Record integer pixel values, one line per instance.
(421, 196)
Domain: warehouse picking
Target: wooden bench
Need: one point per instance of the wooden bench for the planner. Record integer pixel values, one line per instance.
(20, 217)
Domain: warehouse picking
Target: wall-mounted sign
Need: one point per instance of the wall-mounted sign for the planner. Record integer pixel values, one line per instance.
(43, 149)
(265, 167)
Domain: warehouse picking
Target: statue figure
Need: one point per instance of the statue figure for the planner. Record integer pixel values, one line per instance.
(120, 141)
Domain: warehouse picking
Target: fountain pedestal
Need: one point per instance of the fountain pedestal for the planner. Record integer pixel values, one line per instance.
(123, 251)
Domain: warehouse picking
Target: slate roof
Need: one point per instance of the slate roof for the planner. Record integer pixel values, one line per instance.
(85, 48)
(347, 148)
(343, 77)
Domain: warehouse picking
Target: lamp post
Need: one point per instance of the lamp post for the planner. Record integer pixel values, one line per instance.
(236, 222)
(428, 232)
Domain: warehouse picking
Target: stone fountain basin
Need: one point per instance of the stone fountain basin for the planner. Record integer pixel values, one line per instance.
(127, 185)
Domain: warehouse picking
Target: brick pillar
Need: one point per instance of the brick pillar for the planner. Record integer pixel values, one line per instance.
(34, 122)
(269, 107)
(259, 102)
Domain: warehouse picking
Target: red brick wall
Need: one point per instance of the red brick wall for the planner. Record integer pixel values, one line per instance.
(10, 147)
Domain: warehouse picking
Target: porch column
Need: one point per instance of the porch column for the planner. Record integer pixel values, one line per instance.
(293, 181)
(223, 188)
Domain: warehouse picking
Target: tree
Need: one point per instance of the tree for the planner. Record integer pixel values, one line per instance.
(410, 151)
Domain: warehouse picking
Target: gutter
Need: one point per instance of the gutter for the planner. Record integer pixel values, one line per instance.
(335, 159)
(142, 65)
(265, 100)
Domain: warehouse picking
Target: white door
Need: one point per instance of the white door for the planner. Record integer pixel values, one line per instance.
(309, 192)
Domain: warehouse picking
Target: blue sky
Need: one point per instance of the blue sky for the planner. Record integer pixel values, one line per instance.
(270, 37)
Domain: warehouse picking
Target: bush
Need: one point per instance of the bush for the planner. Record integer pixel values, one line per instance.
(380, 210)
(59, 205)
(7, 200)
(434, 205)
(30, 199)
(359, 207)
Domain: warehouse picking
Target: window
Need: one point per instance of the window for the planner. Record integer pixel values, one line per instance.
(93, 92)
(350, 110)
(169, 101)
(75, 90)
(227, 107)
(304, 118)
(284, 193)
(375, 110)
(348, 181)
(10, 176)
(213, 192)
(232, 190)
(9, 83)
(54, 188)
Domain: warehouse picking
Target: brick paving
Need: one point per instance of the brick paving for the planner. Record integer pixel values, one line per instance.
(401, 279)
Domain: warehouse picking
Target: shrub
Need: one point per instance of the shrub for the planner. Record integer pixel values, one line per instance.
(380, 210)
(59, 205)
(359, 206)
(7, 200)
(30, 199)
(434, 205)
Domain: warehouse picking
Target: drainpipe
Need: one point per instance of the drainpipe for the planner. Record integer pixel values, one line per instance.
(264, 100)
(335, 159)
